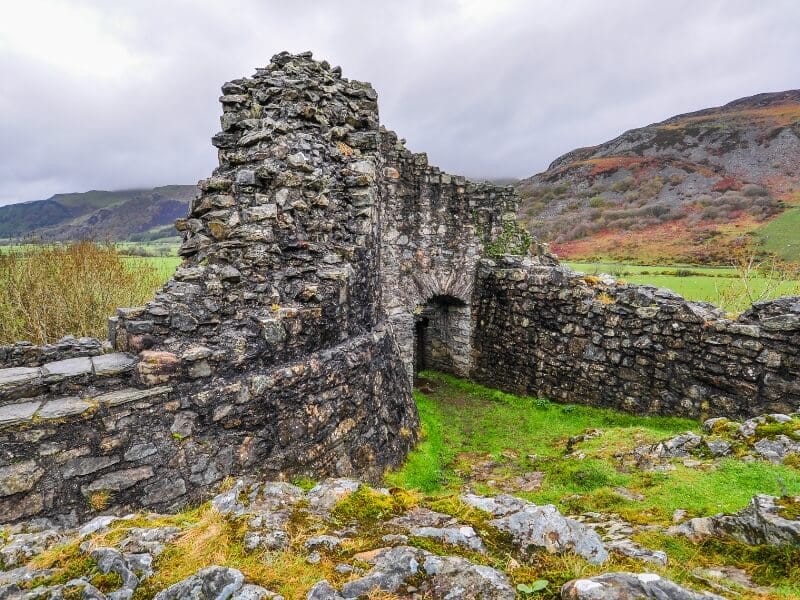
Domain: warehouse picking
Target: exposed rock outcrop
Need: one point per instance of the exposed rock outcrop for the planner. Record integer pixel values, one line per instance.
(532, 527)
(766, 520)
(629, 586)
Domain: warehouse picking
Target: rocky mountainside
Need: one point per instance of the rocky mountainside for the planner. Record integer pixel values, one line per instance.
(120, 215)
(686, 188)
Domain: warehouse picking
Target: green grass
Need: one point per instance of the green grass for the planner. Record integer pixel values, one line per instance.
(165, 265)
(782, 235)
(718, 285)
(464, 424)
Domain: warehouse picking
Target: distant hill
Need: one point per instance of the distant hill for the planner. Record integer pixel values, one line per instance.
(688, 188)
(136, 215)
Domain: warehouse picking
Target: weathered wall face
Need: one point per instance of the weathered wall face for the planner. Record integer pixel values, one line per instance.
(284, 344)
(434, 229)
(267, 352)
(545, 330)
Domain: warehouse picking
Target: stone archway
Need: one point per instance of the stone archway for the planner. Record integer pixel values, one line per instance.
(442, 334)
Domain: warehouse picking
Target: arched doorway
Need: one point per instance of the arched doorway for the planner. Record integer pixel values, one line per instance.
(442, 327)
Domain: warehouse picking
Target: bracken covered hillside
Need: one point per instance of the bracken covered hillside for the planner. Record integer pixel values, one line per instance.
(687, 188)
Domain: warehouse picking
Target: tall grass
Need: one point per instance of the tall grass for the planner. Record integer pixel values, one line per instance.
(47, 292)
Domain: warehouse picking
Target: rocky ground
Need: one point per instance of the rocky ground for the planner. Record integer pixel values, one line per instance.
(343, 539)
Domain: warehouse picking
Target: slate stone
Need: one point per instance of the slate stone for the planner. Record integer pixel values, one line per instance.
(18, 378)
(65, 369)
(116, 363)
(79, 467)
(627, 586)
(210, 583)
(63, 407)
(19, 477)
(126, 395)
(760, 522)
(12, 414)
(533, 526)
(119, 480)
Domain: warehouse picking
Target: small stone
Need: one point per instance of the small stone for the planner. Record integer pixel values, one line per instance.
(19, 477)
(323, 591)
(343, 568)
(107, 365)
(96, 524)
(314, 558)
(63, 407)
(328, 542)
(719, 448)
(11, 414)
(230, 273)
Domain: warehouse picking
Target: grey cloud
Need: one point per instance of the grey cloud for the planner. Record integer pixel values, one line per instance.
(486, 88)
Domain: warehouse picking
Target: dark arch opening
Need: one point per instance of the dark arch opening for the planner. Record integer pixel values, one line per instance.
(441, 335)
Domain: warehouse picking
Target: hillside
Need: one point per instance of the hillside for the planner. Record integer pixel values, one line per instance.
(120, 215)
(685, 189)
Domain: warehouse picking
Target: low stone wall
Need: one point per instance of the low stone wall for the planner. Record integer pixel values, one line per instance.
(167, 444)
(26, 354)
(546, 330)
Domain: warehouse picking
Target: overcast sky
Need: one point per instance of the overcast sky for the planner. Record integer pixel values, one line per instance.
(114, 95)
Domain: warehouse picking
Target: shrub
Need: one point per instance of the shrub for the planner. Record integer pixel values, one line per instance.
(47, 292)
(751, 190)
(676, 179)
(597, 202)
(727, 184)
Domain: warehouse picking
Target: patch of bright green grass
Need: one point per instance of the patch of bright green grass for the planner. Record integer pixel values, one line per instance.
(780, 235)
(165, 265)
(465, 424)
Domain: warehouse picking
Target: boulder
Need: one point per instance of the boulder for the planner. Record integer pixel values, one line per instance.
(450, 577)
(629, 586)
(544, 526)
(766, 520)
(211, 583)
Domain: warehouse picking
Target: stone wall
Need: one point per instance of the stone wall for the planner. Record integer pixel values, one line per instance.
(544, 330)
(284, 343)
(435, 227)
(26, 354)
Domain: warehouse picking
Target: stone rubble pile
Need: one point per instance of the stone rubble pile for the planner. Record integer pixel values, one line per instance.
(774, 437)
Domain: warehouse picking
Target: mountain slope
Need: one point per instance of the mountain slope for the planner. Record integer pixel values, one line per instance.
(687, 188)
(118, 215)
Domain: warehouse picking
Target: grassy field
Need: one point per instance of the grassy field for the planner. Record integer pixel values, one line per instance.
(165, 265)
(466, 424)
(782, 235)
(719, 285)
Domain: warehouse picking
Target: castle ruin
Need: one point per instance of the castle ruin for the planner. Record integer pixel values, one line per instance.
(324, 264)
